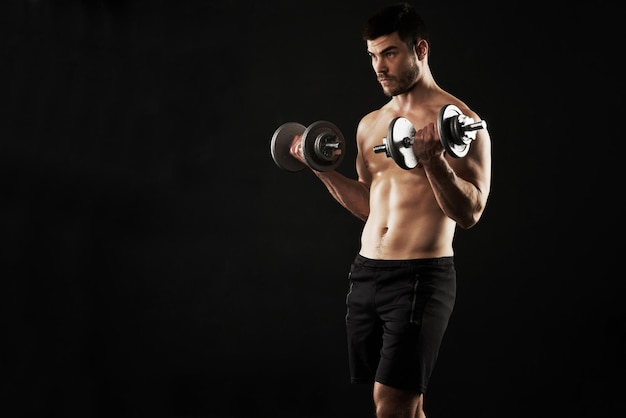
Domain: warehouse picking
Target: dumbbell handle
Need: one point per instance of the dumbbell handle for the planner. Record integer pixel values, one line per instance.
(481, 124)
(406, 143)
(335, 145)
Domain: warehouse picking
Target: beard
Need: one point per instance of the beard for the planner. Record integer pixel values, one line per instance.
(404, 82)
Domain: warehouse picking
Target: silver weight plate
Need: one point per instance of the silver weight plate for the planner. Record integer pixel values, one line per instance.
(448, 115)
(399, 143)
(280, 144)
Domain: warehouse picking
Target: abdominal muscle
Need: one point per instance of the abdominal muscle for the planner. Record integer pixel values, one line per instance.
(405, 221)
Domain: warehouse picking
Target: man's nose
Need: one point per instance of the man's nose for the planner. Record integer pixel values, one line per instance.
(380, 67)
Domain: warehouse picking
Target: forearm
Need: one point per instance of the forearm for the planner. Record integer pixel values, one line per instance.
(351, 194)
(459, 199)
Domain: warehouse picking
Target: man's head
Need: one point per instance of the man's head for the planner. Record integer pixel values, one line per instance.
(397, 42)
(401, 18)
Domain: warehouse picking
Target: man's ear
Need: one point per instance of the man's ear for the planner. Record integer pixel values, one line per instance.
(421, 48)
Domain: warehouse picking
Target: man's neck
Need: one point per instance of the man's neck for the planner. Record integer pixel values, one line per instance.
(420, 94)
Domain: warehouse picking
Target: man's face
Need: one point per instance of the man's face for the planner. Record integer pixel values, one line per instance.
(395, 65)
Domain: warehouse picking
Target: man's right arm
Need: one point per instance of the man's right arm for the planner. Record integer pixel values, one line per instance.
(351, 194)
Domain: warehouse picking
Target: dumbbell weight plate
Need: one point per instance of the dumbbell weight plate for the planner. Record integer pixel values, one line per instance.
(446, 124)
(280, 144)
(316, 154)
(399, 142)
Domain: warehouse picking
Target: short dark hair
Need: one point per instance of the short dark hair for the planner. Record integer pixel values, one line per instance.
(401, 18)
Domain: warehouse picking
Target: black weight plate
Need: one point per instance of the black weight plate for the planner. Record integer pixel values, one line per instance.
(280, 144)
(311, 143)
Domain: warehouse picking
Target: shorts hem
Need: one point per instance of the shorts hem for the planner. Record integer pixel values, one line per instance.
(413, 388)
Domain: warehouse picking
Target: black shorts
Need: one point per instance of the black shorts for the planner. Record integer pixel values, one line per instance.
(397, 312)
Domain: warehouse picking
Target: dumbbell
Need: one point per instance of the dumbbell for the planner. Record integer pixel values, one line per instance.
(322, 145)
(456, 133)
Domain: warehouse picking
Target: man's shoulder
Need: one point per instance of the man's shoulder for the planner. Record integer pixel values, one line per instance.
(447, 98)
(376, 113)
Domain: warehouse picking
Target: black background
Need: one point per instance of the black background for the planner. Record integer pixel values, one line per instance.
(156, 262)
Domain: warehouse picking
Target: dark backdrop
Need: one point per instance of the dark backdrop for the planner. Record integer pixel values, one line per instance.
(156, 262)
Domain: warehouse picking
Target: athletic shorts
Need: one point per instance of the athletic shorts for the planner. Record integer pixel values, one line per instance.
(397, 312)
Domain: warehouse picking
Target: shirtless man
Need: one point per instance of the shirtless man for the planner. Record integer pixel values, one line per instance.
(403, 280)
